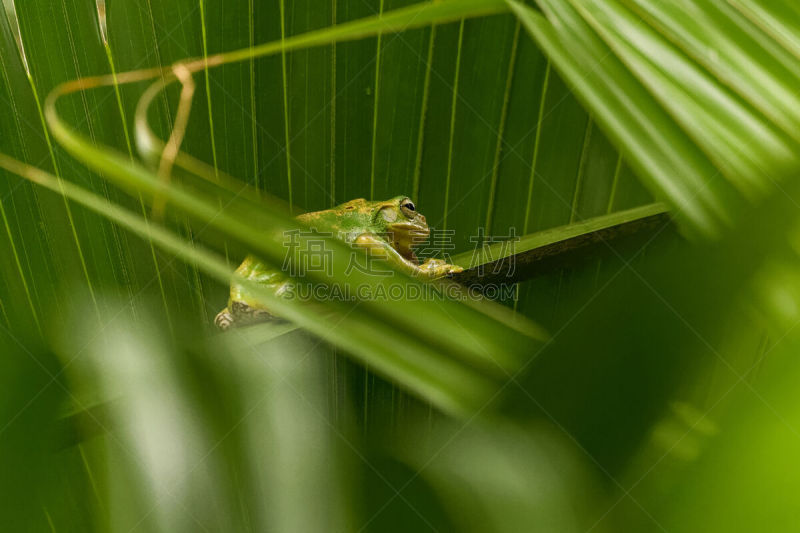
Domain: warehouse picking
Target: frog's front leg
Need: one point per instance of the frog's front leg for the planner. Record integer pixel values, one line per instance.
(377, 247)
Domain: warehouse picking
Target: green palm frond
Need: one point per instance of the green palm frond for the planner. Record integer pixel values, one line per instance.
(147, 147)
(698, 95)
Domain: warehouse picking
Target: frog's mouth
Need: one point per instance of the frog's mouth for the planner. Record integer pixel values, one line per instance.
(406, 236)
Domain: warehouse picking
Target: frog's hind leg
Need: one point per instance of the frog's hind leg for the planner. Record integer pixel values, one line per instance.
(240, 314)
(224, 319)
(245, 315)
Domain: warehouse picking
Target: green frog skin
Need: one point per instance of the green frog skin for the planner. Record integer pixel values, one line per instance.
(387, 230)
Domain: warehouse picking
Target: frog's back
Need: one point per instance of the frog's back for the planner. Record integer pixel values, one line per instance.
(345, 221)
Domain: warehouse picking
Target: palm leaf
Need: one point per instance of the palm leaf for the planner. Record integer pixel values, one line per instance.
(137, 179)
(297, 106)
(646, 65)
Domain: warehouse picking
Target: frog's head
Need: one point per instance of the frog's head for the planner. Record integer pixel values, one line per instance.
(395, 220)
(402, 224)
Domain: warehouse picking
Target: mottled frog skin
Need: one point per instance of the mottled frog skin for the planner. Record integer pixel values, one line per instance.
(388, 230)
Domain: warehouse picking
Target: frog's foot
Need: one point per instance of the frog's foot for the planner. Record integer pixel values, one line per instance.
(224, 319)
(437, 268)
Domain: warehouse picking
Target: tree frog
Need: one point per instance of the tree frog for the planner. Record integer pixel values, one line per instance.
(388, 230)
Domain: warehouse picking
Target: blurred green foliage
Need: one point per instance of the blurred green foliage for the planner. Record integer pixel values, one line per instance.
(663, 398)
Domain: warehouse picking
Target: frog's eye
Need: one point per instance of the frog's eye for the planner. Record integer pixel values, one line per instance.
(408, 208)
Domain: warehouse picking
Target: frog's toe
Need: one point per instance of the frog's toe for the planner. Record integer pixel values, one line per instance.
(224, 319)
